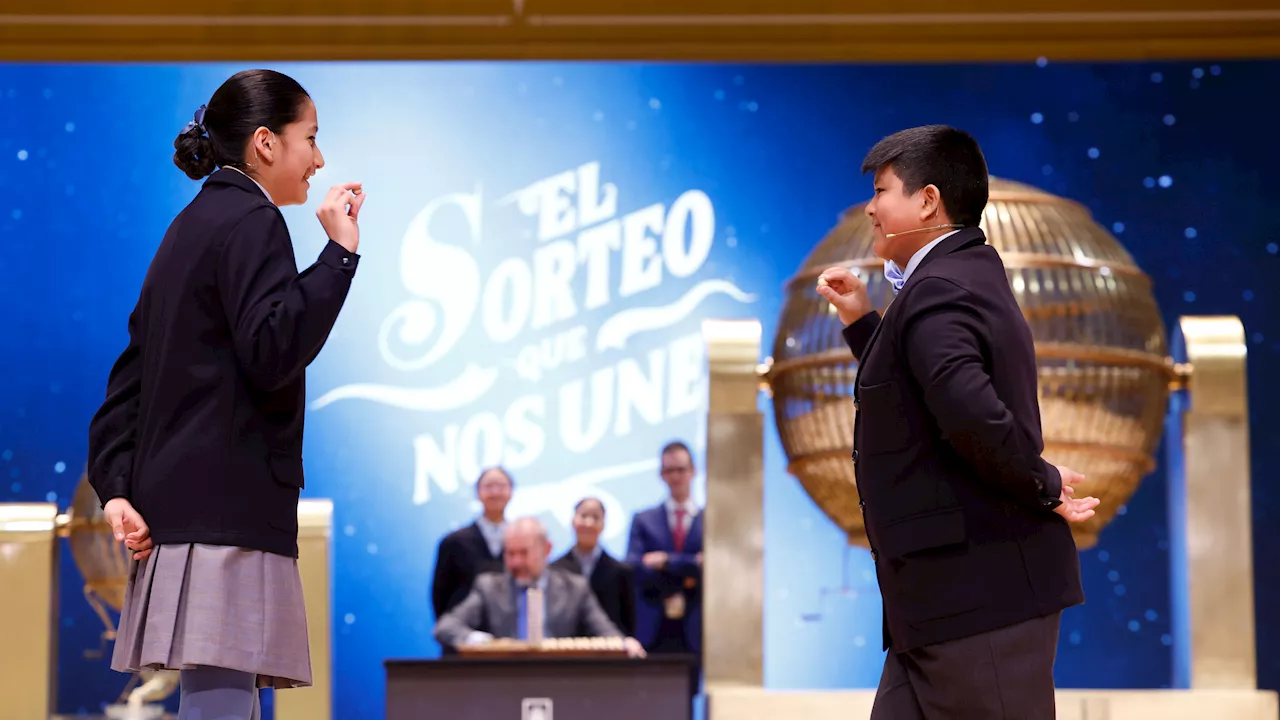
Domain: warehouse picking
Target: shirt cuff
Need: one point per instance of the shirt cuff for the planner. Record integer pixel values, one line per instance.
(477, 637)
(339, 258)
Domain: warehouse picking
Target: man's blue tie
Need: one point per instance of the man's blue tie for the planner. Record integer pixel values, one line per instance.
(522, 613)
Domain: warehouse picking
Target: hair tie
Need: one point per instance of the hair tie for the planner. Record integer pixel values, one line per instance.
(197, 121)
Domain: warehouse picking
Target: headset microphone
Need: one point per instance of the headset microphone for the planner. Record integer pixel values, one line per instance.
(920, 230)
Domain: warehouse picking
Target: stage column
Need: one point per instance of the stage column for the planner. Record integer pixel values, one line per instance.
(733, 567)
(315, 524)
(28, 608)
(1210, 520)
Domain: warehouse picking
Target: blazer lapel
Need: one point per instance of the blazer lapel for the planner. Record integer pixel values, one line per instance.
(600, 573)
(871, 343)
(558, 620)
(503, 619)
(478, 544)
(668, 538)
(693, 543)
(570, 561)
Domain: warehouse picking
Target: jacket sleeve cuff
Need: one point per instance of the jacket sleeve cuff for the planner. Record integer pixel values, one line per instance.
(858, 333)
(339, 258)
(1050, 488)
(110, 487)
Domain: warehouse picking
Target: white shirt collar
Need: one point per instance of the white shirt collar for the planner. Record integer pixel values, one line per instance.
(689, 507)
(255, 182)
(540, 582)
(492, 534)
(587, 563)
(489, 526)
(920, 255)
(592, 554)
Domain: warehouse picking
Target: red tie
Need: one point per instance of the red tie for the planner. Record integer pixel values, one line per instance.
(677, 532)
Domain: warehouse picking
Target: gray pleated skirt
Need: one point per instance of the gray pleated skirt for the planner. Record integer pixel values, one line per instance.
(210, 605)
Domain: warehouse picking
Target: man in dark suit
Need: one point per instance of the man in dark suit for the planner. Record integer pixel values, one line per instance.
(665, 548)
(968, 525)
(476, 548)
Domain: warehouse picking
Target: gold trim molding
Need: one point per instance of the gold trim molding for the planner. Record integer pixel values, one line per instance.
(772, 30)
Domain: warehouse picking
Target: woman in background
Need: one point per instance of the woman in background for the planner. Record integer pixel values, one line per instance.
(196, 454)
(612, 582)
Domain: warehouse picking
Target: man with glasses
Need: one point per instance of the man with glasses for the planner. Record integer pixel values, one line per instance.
(665, 550)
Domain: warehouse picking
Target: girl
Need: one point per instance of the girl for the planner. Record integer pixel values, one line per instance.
(612, 582)
(196, 454)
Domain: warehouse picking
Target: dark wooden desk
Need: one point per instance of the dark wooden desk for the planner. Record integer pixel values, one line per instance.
(467, 688)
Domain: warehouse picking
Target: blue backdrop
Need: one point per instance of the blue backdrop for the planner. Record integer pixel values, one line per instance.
(491, 322)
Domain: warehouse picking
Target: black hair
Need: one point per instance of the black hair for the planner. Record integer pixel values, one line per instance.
(937, 155)
(511, 482)
(587, 499)
(248, 100)
(675, 445)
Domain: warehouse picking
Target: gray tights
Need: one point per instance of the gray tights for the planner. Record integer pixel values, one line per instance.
(210, 693)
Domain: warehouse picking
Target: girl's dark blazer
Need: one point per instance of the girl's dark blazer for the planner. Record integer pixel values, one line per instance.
(202, 424)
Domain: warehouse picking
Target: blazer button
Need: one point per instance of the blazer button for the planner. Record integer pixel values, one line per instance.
(855, 456)
(862, 504)
(875, 556)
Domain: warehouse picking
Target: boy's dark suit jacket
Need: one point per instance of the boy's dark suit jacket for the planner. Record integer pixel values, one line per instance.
(202, 425)
(947, 443)
(614, 586)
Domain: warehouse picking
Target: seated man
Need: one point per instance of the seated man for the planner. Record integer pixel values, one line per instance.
(496, 606)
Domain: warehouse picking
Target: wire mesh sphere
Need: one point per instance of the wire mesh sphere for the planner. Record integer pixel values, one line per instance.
(102, 561)
(1100, 349)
